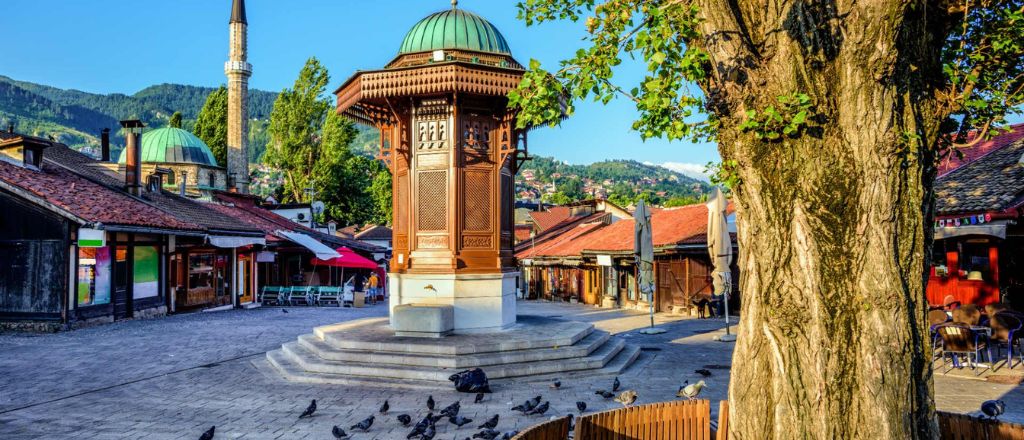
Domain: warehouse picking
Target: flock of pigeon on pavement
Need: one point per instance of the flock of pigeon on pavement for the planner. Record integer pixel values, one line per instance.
(426, 428)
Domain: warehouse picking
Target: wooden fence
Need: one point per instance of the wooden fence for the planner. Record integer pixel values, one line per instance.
(678, 420)
(964, 427)
(557, 429)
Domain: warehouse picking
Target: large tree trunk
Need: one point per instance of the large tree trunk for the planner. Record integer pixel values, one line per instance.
(832, 223)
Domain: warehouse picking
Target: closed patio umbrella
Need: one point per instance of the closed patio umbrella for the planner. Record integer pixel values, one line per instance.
(643, 247)
(720, 250)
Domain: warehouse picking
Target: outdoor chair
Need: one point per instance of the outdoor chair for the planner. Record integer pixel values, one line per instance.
(1006, 328)
(961, 340)
(270, 295)
(300, 294)
(329, 295)
(935, 319)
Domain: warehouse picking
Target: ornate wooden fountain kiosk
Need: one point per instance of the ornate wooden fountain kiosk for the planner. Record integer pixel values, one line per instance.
(453, 150)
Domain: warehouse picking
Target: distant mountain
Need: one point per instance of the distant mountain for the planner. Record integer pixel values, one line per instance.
(621, 181)
(76, 117)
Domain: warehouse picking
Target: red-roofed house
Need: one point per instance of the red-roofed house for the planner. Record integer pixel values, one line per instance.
(592, 260)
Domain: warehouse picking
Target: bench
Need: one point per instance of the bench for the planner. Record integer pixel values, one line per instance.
(271, 295)
(329, 295)
(423, 320)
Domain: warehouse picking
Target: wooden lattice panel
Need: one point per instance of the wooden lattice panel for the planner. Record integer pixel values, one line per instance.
(477, 192)
(433, 201)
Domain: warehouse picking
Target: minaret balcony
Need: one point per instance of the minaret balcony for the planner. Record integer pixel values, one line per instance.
(237, 67)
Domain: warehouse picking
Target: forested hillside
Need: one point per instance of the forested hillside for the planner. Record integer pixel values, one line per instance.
(76, 118)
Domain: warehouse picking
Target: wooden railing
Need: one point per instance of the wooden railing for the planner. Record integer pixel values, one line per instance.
(679, 420)
(557, 429)
(691, 420)
(964, 427)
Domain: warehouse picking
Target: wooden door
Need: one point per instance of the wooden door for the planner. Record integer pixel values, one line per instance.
(121, 296)
(245, 293)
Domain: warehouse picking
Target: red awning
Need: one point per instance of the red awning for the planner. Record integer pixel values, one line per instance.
(348, 259)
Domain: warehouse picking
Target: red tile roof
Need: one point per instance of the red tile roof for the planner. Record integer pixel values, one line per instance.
(87, 200)
(523, 232)
(981, 149)
(554, 216)
(671, 226)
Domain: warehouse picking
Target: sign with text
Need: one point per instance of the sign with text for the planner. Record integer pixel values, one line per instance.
(91, 238)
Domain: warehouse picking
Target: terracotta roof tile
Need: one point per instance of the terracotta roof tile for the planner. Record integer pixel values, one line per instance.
(992, 183)
(981, 149)
(86, 199)
(552, 217)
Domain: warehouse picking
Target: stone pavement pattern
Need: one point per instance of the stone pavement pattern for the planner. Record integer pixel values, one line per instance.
(172, 378)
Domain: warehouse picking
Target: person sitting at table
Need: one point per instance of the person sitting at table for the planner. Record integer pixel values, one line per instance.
(994, 308)
(950, 303)
(967, 315)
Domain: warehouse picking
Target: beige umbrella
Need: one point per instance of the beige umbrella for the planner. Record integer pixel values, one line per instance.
(643, 247)
(720, 248)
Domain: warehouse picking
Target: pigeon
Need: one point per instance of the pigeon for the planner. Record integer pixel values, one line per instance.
(582, 406)
(605, 394)
(522, 408)
(429, 433)
(208, 435)
(616, 384)
(626, 398)
(556, 384)
(690, 391)
(434, 419)
(309, 410)
(487, 434)
(451, 410)
(479, 398)
(404, 419)
(541, 409)
(364, 425)
(509, 435)
(430, 403)
(422, 425)
(385, 407)
(459, 421)
(284, 310)
(490, 423)
(703, 372)
(338, 432)
(993, 408)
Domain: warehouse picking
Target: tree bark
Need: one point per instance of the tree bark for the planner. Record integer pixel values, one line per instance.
(832, 223)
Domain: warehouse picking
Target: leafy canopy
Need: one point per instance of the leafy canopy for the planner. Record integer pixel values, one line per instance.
(983, 68)
(212, 124)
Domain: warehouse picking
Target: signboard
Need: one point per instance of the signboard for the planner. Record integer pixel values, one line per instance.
(91, 238)
(604, 260)
(265, 257)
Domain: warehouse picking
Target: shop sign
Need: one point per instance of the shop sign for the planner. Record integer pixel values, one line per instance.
(604, 260)
(265, 257)
(91, 238)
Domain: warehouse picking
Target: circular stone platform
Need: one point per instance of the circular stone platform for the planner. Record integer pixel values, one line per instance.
(368, 350)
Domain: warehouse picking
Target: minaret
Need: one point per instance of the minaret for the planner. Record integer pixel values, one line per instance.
(238, 71)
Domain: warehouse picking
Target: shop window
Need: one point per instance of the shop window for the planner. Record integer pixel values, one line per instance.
(974, 258)
(93, 276)
(146, 280)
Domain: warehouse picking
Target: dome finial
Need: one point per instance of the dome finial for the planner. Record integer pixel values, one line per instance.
(455, 4)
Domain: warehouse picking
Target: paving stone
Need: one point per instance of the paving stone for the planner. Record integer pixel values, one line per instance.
(141, 379)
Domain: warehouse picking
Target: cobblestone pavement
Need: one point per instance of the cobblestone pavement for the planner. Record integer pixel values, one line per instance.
(172, 378)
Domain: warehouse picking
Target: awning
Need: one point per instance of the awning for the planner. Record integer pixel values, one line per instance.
(322, 252)
(227, 241)
(996, 228)
(348, 259)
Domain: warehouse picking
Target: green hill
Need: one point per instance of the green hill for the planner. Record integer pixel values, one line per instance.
(76, 117)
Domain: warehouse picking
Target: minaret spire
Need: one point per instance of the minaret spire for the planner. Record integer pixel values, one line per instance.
(455, 4)
(238, 71)
(238, 12)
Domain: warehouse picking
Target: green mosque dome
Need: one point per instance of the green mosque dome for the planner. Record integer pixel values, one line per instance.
(454, 29)
(173, 145)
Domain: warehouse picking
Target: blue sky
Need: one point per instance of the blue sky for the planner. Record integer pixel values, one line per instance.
(122, 46)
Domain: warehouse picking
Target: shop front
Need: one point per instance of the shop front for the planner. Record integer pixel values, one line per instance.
(118, 275)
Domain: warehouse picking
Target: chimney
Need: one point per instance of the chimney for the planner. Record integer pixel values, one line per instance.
(105, 145)
(133, 162)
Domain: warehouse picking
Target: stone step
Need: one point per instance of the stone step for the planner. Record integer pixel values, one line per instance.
(530, 333)
(308, 361)
(278, 363)
(582, 348)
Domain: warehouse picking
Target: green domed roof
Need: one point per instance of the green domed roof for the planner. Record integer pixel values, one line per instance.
(454, 29)
(173, 145)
